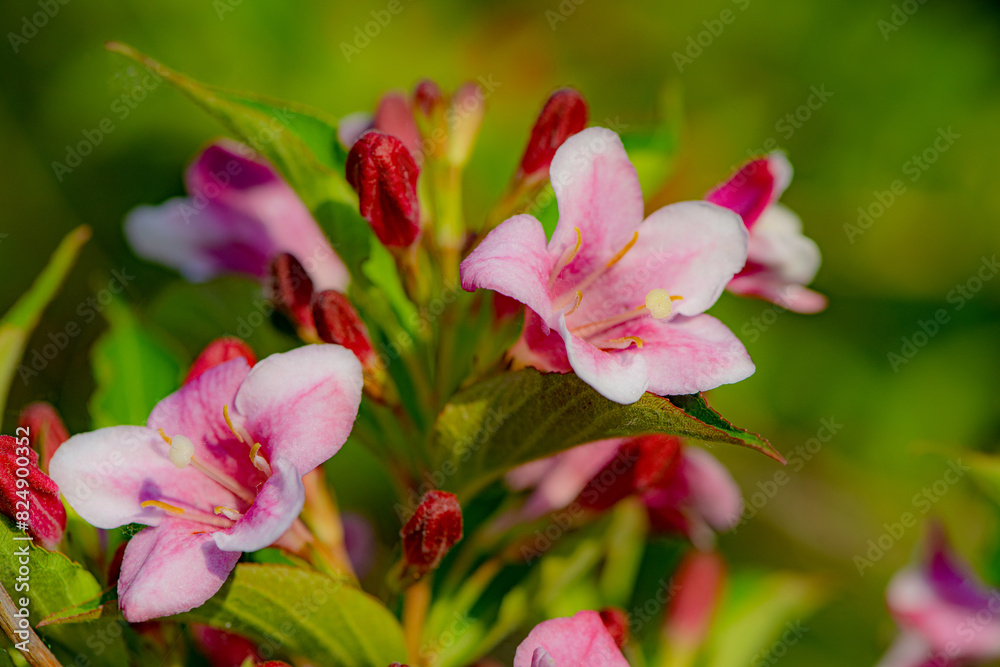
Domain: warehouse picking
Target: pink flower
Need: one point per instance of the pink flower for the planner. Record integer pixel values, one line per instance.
(946, 614)
(685, 489)
(216, 471)
(579, 641)
(781, 261)
(614, 298)
(240, 214)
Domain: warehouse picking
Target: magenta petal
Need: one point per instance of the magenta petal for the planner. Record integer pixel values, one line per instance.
(195, 411)
(513, 261)
(104, 475)
(689, 354)
(224, 169)
(170, 569)
(580, 641)
(199, 239)
(598, 191)
(359, 540)
(620, 377)
(301, 404)
(691, 249)
(754, 187)
(394, 116)
(276, 507)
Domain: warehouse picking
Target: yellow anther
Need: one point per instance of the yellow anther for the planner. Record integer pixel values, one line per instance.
(579, 242)
(165, 437)
(229, 422)
(576, 303)
(228, 512)
(162, 506)
(624, 251)
(622, 343)
(659, 302)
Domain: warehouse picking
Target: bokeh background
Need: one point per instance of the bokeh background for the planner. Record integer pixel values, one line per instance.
(892, 88)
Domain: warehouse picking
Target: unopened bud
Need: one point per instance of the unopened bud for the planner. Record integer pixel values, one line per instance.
(616, 622)
(219, 351)
(465, 117)
(563, 115)
(23, 484)
(224, 649)
(394, 116)
(432, 531)
(45, 430)
(337, 322)
(384, 174)
(292, 290)
(699, 583)
(428, 98)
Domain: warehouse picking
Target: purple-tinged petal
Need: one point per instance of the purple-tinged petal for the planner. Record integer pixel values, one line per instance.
(687, 354)
(622, 378)
(755, 186)
(579, 641)
(691, 249)
(277, 505)
(598, 191)
(359, 540)
(513, 261)
(170, 569)
(951, 578)
(224, 170)
(911, 650)
(352, 126)
(104, 475)
(195, 411)
(714, 494)
(201, 242)
(301, 404)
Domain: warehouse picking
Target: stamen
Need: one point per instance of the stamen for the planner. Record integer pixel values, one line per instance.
(576, 303)
(229, 423)
(165, 437)
(259, 462)
(566, 258)
(659, 302)
(229, 513)
(162, 505)
(224, 480)
(624, 251)
(591, 328)
(622, 343)
(181, 451)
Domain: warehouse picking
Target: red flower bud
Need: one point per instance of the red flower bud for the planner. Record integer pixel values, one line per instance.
(384, 174)
(292, 290)
(642, 463)
(46, 430)
(616, 621)
(223, 649)
(337, 322)
(432, 530)
(21, 481)
(428, 97)
(394, 116)
(219, 351)
(563, 115)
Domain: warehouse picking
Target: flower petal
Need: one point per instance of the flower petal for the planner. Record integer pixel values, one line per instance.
(195, 411)
(301, 405)
(200, 240)
(276, 507)
(598, 191)
(714, 494)
(513, 261)
(754, 187)
(691, 249)
(579, 641)
(622, 378)
(687, 354)
(170, 569)
(105, 475)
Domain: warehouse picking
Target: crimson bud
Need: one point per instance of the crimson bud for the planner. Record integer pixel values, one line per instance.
(432, 531)
(384, 174)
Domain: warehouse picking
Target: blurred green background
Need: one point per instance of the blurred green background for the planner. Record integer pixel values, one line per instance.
(891, 93)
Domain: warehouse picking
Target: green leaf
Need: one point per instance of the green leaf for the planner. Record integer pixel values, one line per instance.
(104, 605)
(133, 369)
(519, 417)
(56, 583)
(313, 616)
(758, 609)
(17, 325)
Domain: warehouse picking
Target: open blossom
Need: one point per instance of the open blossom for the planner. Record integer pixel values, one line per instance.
(579, 641)
(614, 298)
(685, 489)
(216, 471)
(947, 616)
(781, 261)
(238, 216)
